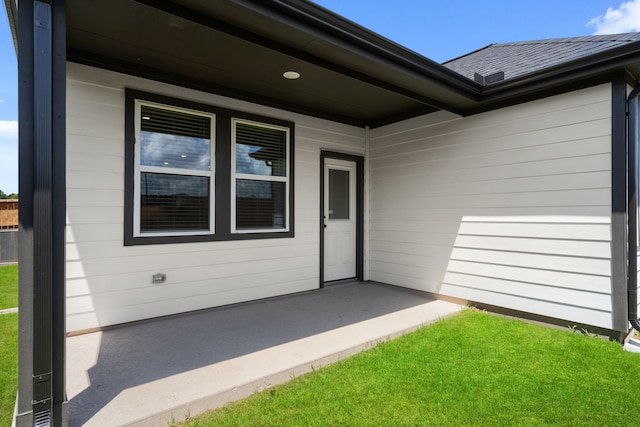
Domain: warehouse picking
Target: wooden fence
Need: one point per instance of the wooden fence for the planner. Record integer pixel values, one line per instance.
(8, 214)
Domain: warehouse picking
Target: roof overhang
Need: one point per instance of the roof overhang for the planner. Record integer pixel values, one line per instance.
(11, 6)
(241, 48)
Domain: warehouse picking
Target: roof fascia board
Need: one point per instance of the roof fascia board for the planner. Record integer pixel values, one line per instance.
(564, 85)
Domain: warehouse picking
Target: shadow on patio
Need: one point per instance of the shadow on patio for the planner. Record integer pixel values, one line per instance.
(148, 372)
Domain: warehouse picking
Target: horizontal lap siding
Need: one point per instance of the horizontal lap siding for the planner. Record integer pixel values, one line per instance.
(510, 207)
(108, 283)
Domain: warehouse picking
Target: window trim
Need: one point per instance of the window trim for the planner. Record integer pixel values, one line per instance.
(139, 169)
(222, 198)
(235, 176)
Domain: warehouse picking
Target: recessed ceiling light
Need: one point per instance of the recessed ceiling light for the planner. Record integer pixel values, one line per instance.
(184, 156)
(165, 163)
(146, 118)
(291, 75)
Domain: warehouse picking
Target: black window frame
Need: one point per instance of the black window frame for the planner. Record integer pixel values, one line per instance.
(223, 172)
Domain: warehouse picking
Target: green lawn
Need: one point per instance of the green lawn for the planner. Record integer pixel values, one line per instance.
(8, 366)
(8, 286)
(8, 343)
(474, 369)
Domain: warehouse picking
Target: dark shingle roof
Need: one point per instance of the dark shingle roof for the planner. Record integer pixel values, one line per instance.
(516, 59)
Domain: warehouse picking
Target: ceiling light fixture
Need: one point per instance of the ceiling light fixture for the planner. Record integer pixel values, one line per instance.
(291, 75)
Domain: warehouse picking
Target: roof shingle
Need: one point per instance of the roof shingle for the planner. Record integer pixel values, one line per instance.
(519, 58)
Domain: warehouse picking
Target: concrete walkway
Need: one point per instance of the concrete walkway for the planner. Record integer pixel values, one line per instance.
(146, 373)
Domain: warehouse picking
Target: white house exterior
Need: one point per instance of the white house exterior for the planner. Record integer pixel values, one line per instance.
(510, 208)
(169, 164)
(109, 283)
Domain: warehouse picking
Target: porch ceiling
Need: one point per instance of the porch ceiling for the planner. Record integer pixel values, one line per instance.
(242, 48)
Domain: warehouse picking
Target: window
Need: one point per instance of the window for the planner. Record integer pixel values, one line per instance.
(260, 182)
(196, 173)
(339, 194)
(174, 171)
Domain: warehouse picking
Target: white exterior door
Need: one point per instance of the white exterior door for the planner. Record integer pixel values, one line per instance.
(339, 219)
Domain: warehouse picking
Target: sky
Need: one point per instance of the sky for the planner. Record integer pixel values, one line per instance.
(440, 30)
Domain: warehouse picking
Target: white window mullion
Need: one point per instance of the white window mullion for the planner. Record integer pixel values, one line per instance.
(175, 171)
(262, 177)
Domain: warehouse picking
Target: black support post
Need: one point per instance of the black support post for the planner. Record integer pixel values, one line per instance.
(42, 89)
(619, 213)
(633, 169)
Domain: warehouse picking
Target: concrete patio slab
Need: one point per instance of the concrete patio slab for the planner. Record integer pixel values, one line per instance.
(148, 373)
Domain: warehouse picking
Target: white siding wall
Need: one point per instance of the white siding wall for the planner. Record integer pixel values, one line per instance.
(510, 207)
(108, 283)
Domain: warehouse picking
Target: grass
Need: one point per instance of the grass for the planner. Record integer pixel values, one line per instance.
(8, 286)
(8, 366)
(472, 369)
(8, 343)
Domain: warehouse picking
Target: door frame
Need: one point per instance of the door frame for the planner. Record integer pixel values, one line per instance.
(359, 161)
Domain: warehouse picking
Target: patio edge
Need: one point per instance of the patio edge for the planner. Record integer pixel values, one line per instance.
(180, 413)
